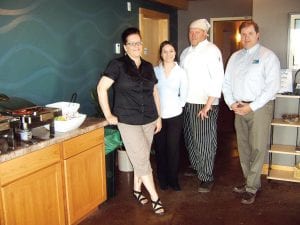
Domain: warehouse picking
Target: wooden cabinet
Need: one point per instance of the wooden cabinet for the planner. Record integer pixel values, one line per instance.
(1, 211)
(31, 189)
(84, 174)
(278, 172)
(56, 185)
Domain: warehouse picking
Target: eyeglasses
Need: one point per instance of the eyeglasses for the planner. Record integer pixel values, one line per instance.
(133, 44)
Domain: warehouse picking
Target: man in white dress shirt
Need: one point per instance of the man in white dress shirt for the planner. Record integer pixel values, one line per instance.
(252, 79)
(203, 64)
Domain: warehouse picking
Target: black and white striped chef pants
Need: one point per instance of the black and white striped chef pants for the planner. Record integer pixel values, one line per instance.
(201, 139)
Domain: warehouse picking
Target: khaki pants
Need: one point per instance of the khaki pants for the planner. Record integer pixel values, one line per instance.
(253, 133)
(137, 140)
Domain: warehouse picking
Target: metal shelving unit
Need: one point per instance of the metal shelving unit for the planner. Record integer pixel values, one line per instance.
(294, 150)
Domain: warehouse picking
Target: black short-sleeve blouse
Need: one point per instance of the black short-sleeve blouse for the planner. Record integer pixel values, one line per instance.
(133, 91)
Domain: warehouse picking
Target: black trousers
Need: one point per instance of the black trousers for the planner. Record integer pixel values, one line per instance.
(167, 148)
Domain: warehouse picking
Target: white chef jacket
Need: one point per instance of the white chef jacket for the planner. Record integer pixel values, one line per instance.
(252, 75)
(204, 68)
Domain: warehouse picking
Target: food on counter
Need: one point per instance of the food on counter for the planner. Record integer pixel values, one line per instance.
(60, 118)
(70, 123)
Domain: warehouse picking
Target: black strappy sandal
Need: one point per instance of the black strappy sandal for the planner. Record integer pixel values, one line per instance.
(156, 206)
(139, 197)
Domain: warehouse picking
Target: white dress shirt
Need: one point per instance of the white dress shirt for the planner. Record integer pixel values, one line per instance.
(204, 68)
(252, 75)
(172, 90)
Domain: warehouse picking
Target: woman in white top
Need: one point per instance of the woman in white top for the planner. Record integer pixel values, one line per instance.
(172, 88)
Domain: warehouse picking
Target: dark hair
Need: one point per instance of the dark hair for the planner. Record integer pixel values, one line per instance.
(162, 45)
(129, 31)
(248, 24)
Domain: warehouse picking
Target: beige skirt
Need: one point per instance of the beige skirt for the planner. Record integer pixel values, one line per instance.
(137, 140)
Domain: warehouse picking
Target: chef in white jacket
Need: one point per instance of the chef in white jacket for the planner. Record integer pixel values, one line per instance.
(203, 64)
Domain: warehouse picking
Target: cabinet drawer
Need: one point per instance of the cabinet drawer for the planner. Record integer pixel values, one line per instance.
(20, 167)
(83, 142)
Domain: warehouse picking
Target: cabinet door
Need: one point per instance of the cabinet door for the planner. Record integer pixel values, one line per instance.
(1, 211)
(85, 182)
(35, 199)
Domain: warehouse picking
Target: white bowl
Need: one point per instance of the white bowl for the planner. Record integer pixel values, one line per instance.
(68, 125)
(69, 109)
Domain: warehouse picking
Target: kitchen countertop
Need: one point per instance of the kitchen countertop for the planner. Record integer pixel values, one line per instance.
(91, 123)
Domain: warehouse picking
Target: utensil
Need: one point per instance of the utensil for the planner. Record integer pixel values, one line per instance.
(73, 98)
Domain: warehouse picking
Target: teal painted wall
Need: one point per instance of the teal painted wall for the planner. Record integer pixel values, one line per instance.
(50, 49)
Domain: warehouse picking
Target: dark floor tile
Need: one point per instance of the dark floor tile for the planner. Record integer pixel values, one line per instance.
(278, 203)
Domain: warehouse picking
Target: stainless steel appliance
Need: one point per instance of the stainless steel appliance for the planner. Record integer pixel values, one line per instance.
(33, 117)
(18, 117)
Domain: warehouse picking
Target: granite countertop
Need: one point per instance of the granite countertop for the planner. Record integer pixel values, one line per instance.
(42, 133)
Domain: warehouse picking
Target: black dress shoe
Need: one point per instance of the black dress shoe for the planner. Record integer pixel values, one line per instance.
(241, 189)
(205, 187)
(248, 198)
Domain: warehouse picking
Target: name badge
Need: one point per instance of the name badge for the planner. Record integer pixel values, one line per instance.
(255, 61)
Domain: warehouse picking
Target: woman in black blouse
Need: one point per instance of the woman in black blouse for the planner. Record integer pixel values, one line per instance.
(136, 111)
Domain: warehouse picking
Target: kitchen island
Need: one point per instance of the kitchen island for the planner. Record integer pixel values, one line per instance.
(54, 181)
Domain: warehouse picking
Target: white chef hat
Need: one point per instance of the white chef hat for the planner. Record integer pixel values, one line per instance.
(202, 24)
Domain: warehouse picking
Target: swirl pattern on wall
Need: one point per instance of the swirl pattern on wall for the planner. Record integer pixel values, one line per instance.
(50, 49)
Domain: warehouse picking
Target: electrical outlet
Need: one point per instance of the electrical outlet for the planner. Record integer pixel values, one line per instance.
(117, 48)
(129, 6)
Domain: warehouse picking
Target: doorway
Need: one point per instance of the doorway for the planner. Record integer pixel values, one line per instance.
(154, 27)
(225, 34)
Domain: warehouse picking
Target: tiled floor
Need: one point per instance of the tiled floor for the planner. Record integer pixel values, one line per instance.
(277, 204)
